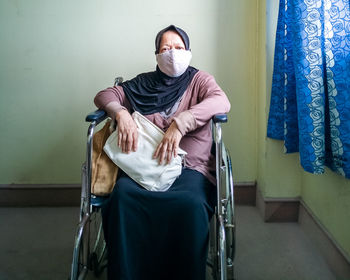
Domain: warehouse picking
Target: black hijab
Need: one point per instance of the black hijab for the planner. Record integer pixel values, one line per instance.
(155, 91)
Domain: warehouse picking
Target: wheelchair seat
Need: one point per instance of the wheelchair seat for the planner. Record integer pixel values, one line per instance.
(98, 201)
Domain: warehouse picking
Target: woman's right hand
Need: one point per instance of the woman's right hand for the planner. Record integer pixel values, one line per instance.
(127, 132)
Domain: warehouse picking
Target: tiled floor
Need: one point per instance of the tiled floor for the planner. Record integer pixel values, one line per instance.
(36, 243)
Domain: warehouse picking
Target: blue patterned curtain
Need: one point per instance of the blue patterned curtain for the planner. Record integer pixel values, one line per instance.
(310, 98)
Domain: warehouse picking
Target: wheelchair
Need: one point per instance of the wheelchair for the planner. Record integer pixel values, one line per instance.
(89, 253)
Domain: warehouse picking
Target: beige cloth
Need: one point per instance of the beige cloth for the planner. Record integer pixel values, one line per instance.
(140, 164)
(104, 171)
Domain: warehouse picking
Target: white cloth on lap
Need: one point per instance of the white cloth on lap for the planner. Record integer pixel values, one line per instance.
(140, 165)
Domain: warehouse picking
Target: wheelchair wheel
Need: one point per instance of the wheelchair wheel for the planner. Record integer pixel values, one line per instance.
(80, 254)
(230, 249)
(222, 241)
(230, 226)
(221, 250)
(90, 248)
(97, 244)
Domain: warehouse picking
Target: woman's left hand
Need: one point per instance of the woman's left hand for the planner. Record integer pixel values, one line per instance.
(167, 149)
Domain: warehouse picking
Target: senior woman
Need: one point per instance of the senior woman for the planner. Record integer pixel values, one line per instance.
(164, 235)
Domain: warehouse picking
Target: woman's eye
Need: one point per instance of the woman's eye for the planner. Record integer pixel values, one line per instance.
(180, 48)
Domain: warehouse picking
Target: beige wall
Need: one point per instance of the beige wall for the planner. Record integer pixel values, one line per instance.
(55, 56)
(236, 73)
(278, 174)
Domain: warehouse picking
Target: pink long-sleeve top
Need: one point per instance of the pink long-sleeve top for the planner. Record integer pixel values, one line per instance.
(202, 100)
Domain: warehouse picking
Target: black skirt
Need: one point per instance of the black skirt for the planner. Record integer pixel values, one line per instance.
(159, 235)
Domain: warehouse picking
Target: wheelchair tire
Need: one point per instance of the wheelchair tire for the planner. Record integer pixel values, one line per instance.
(90, 249)
(230, 249)
(82, 268)
(80, 254)
(97, 245)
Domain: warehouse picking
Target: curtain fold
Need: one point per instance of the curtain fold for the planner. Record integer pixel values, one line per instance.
(310, 97)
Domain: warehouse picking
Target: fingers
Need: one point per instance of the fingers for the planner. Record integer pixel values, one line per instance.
(127, 141)
(160, 152)
(165, 151)
(169, 153)
(127, 132)
(120, 136)
(124, 143)
(163, 154)
(156, 153)
(136, 136)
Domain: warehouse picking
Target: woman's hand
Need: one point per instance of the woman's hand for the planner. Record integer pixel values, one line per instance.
(127, 132)
(168, 147)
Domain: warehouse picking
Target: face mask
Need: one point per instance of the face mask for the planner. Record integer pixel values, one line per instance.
(174, 62)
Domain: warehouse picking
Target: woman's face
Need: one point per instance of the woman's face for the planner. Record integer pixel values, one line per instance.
(171, 40)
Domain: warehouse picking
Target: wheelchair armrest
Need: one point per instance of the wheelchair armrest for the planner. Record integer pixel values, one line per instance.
(97, 116)
(220, 118)
(100, 115)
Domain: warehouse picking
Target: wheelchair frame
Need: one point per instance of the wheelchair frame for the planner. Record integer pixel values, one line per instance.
(89, 253)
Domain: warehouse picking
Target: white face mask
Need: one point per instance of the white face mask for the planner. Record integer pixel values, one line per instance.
(174, 62)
